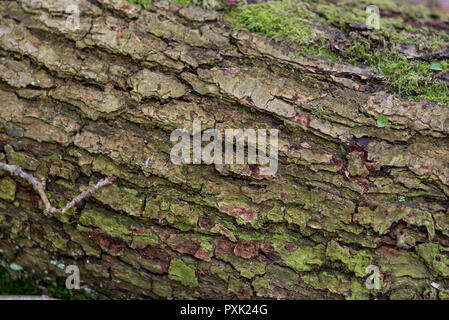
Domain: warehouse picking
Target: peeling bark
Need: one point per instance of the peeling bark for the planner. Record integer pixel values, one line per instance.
(78, 105)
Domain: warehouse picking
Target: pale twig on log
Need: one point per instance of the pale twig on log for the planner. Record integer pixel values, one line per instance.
(39, 187)
(85, 194)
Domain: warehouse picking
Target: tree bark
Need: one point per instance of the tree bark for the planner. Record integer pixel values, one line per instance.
(79, 105)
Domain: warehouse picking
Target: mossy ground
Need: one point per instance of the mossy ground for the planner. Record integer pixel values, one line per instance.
(26, 286)
(401, 25)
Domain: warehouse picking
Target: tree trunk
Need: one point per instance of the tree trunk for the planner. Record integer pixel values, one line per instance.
(79, 104)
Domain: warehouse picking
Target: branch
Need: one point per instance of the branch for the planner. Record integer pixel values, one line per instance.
(39, 187)
(86, 194)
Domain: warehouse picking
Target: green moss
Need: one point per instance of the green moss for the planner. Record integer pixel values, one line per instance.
(415, 78)
(8, 286)
(220, 270)
(136, 278)
(353, 289)
(237, 287)
(406, 289)
(21, 159)
(435, 258)
(120, 226)
(443, 294)
(111, 223)
(281, 18)
(291, 20)
(219, 229)
(302, 258)
(181, 272)
(338, 15)
(206, 245)
(275, 214)
(162, 288)
(59, 168)
(7, 189)
(260, 284)
(415, 12)
(183, 216)
(355, 261)
(28, 286)
(401, 264)
(297, 216)
(249, 269)
(382, 121)
(121, 198)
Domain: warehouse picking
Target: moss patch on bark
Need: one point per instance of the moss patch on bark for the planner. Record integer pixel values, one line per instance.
(336, 32)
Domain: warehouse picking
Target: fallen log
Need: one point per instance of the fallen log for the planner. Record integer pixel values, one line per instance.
(362, 177)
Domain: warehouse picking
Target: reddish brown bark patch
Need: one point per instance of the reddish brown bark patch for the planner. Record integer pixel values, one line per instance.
(224, 231)
(224, 247)
(244, 293)
(298, 98)
(269, 252)
(157, 255)
(301, 119)
(33, 198)
(206, 223)
(185, 245)
(230, 70)
(291, 247)
(231, 3)
(373, 166)
(113, 245)
(254, 171)
(370, 205)
(248, 100)
(337, 161)
(247, 249)
(202, 254)
(191, 247)
(281, 293)
(162, 233)
(237, 211)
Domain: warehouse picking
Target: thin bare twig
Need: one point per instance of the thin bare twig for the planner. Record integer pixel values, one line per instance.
(39, 187)
(85, 194)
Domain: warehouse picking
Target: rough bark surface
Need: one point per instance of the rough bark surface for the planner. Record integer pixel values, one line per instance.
(77, 106)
